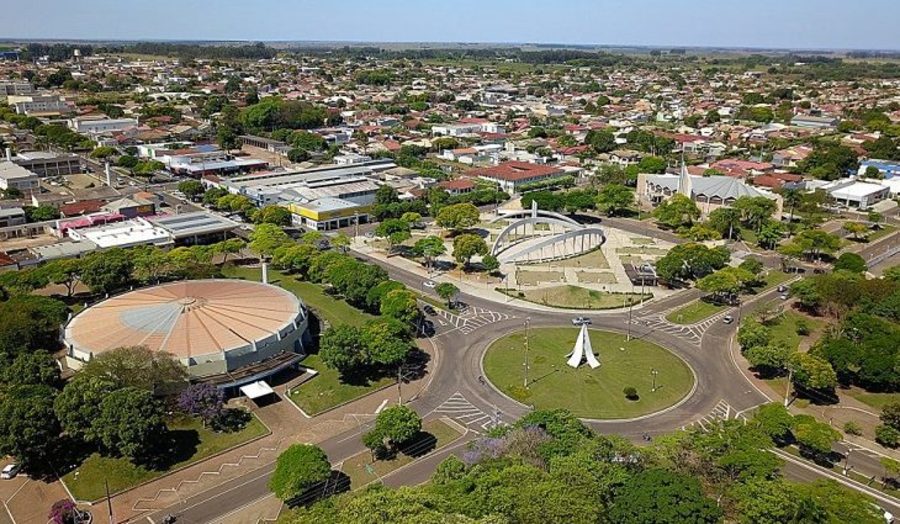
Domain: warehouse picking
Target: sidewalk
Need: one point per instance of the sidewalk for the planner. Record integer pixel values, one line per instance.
(288, 426)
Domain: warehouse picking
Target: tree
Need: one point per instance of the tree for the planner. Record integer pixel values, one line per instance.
(890, 414)
(232, 246)
(447, 291)
(78, 405)
(191, 188)
(34, 368)
(202, 400)
(490, 263)
(887, 436)
(601, 141)
(429, 248)
(702, 233)
(725, 220)
(130, 423)
(398, 424)
(400, 304)
(41, 213)
(468, 245)
(659, 496)
(341, 242)
(813, 436)
(812, 372)
(278, 215)
(64, 272)
(138, 367)
(395, 230)
(815, 242)
(851, 262)
(266, 238)
(774, 420)
(457, 217)
(297, 469)
(859, 230)
(722, 284)
(107, 271)
(386, 342)
(342, 348)
(770, 359)
(28, 426)
(769, 234)
(147, 168)
(755, 211)
(677, 211)
(63, 511)
(752, 334)
(29, 323)
(613, 199)
(103, 152)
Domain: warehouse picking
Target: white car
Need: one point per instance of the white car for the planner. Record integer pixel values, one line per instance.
(429, 284)
(9, 472)
(577, 321)
(727, 319)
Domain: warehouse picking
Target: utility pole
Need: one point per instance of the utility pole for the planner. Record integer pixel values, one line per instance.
(109, 502)
(787, 394)
(653, 373)
(527, 320)
(356, 221)
(400, 377)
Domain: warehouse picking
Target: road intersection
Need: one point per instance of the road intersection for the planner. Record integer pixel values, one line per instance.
(458, 390)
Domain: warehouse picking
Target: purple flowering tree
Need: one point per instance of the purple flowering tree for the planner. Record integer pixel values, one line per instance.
(202, 400)
(62, 512)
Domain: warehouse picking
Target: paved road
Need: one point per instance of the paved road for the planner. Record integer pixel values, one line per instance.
(722, 391)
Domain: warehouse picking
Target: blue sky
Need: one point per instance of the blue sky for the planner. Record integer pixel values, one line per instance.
(836, 24)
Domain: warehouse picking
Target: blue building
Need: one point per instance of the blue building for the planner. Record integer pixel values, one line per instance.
(887, 168)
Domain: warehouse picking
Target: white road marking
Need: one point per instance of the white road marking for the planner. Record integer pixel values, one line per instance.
(382, 406)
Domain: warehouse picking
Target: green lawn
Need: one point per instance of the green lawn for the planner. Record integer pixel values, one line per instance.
(875, 400)
(586, 392)
(694, 312)
(774, 278)
(87, 481)
(784, 329)
(330, 309)
(326, 390)
(593, 259)
(575, 297)
(435, 435)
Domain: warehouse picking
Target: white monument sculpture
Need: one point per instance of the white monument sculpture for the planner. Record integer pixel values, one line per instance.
(583, 350)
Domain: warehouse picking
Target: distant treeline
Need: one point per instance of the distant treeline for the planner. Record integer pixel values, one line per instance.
(62, 52)
(543, 56)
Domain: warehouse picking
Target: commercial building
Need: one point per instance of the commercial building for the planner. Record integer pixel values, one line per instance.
(322, 198)
(14, 176)
(40, 105)
(855, 194)
(127, 233)
(815, 122)
(12, 216)
(510, 176)
(887, 168)
(219, 329)
(46, 164)
(102, 126)
(198, 227)
(15, 87)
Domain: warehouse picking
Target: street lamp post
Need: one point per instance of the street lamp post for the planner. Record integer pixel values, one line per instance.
(653, 373)
(527, 320)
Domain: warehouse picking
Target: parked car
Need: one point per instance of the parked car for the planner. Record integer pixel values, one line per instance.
(727, 319)
(9, 472)
(782, 288)
(785, 296)
(429, 311)
(429, 284)
(577, 321)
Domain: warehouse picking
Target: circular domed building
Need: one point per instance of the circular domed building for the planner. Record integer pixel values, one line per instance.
(234, 329)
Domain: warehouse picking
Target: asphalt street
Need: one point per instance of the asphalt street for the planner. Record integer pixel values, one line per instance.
(455, 390)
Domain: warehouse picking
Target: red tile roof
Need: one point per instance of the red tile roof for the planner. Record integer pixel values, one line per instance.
(457, 184)
(512, 171)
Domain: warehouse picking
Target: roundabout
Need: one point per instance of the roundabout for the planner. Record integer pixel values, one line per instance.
(661, 379)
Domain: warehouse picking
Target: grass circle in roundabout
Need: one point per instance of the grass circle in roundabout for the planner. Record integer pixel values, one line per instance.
(588, 393)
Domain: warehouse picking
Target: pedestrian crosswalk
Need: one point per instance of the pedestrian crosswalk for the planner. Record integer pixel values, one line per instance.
(469, 319)
(722, 411)
(691, 332)
(461, 410)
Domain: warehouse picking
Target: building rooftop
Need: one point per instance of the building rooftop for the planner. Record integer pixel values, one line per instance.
(512, 171)
(187, 319)
(196, 223)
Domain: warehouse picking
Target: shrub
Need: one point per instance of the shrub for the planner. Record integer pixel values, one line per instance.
(630, 393)
(887, 436)
(802, 327)
(852, 428)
